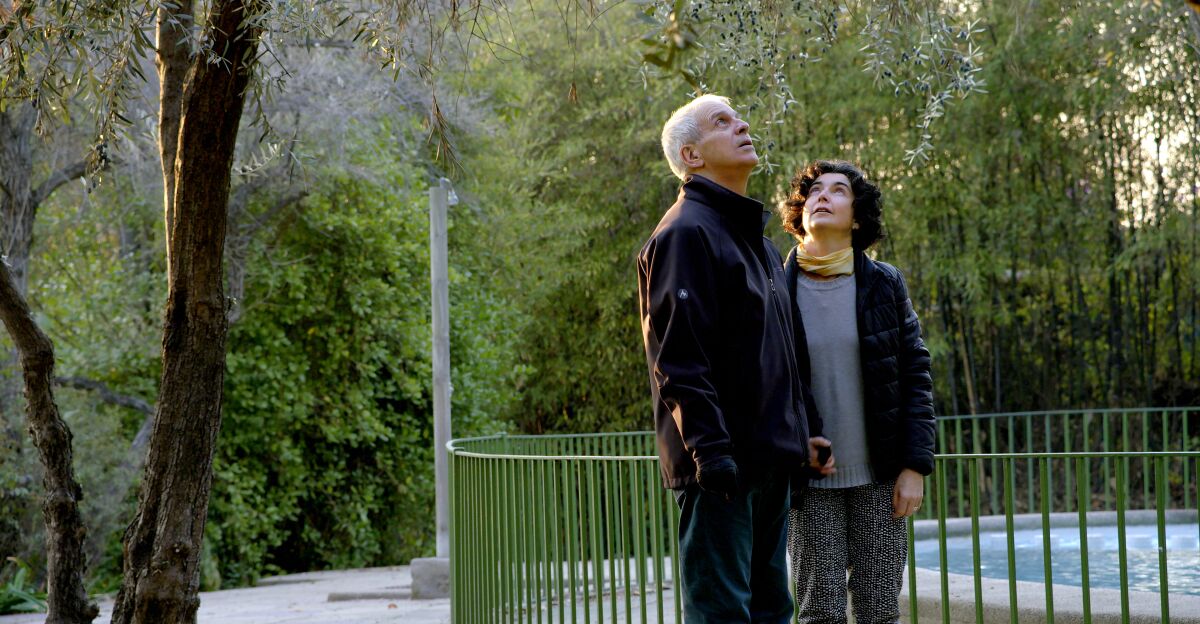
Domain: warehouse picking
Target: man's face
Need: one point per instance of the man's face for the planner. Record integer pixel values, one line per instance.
(725, 143)
(830, 205)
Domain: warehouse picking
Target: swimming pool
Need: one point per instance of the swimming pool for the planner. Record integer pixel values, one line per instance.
(1182, 546)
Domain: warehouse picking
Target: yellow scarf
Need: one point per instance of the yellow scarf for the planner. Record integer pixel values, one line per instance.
(836, 263)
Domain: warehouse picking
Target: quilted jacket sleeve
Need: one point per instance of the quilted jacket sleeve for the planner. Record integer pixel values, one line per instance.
(916, 386)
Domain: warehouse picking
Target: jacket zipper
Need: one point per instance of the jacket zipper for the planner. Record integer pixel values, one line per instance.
(793, 375)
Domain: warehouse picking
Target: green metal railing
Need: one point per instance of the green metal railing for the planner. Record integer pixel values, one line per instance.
(573, 528)
(577, 528)
(1092, 504)
(1065, 431)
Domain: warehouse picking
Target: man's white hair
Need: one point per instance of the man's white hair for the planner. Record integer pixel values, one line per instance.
(684, 127)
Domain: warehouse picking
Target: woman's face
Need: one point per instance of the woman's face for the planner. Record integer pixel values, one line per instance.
(829, 208)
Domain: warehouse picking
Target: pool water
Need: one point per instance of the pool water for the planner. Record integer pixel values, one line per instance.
(1141, 543)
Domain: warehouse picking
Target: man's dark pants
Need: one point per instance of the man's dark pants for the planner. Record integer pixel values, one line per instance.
(732, 554)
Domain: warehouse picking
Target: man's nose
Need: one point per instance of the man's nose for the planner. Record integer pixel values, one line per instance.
(743, 127)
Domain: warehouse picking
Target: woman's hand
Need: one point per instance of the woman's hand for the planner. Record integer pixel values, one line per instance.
(908, 493)
(813, 462)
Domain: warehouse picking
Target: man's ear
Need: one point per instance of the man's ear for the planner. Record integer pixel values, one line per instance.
(691, 157)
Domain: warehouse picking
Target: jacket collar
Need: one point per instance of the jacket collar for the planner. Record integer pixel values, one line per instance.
(864, 276)
(747, 215)
(865, 273)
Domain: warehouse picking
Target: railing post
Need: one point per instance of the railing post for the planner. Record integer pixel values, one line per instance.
(1160, 492)
(1010, 540)
(1187, 489)
(939, 484)
(1047, 569)
(1081, 508)
(1122, 553)
(975, 468)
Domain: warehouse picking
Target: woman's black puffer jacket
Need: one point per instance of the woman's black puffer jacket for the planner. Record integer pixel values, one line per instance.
(897, 385)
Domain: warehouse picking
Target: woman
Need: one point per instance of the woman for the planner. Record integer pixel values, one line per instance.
(858, 343)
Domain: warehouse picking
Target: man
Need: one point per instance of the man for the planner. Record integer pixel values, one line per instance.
(729, 409)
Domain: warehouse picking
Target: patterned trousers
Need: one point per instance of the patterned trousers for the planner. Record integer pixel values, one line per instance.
(836, 531)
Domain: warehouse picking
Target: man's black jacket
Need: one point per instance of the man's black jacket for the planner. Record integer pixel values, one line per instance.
(718, 335)
(897, 386)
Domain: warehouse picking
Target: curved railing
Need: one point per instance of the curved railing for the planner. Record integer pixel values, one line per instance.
(568, 528)
(577, 528)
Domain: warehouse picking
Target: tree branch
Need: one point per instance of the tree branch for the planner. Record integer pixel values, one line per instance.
(341, 44)
(105, 393)
(237, 244)
(21, 11)
(252, 228)
(72, 171)
(240, 196)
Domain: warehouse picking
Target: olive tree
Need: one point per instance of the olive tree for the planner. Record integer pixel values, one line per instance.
(206, 55)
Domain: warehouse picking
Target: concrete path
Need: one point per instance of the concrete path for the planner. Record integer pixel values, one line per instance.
(368, 596)
(381, 596)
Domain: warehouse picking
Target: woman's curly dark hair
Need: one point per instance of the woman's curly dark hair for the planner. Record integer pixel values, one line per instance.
(868, 202)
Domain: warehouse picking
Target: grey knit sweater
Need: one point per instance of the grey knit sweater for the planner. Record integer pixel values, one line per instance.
(831, 326)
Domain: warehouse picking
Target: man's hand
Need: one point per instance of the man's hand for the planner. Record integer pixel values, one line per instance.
(908, 493)
(815, 446)
(719, 476)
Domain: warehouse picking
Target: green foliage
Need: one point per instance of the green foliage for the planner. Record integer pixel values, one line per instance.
(920, 52)
(1040, 241)
(325, 404)
(18, 594)
(325, 458)
(1049, 245)
(575, 181)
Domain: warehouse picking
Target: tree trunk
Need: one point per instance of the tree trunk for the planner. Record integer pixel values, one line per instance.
(14, 153)
(172, 61)
(16, 193)
(163, 543)
(17, 205)
(19, 198)
(19, 201)
(1194, 324)
(968, 369)
(65, 534)
(1116, 342)
(952, 358)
